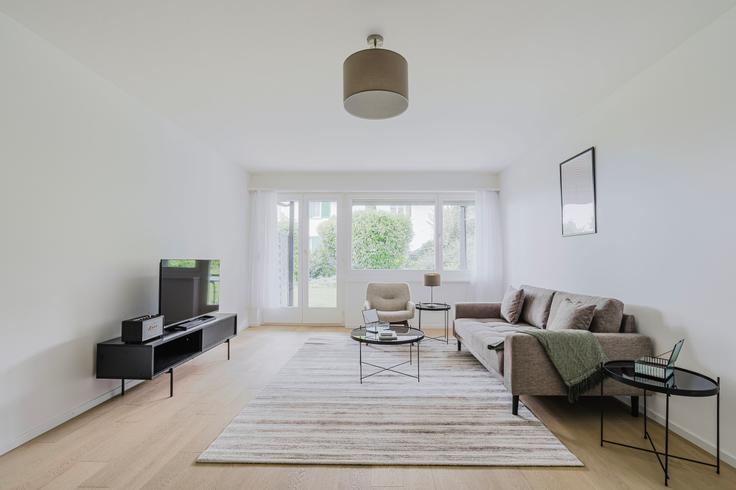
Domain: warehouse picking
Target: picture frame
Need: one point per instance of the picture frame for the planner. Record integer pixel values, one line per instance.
(578, 194)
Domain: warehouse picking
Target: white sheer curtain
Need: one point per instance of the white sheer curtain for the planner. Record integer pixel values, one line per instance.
(263, 260)
(487, 280)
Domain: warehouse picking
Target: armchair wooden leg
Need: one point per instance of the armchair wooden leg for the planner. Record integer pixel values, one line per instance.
(515, 405)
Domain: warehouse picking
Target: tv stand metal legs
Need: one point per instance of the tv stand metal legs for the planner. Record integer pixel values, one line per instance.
(171, 382)
(122, 386)
(228, 349)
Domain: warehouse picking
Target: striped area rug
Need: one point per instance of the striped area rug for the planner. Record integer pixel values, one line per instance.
(316, 411)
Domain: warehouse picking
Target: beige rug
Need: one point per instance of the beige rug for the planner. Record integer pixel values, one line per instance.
(316, 412)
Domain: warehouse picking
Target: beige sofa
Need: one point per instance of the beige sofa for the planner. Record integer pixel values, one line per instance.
(524, 364)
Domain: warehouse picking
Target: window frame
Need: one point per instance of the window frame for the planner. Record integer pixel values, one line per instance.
(418, 198)
(284, 197)
(464, 258)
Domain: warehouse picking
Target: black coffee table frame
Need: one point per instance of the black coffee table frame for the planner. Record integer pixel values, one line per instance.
(609, 370)
(411, 341)
(444, 307)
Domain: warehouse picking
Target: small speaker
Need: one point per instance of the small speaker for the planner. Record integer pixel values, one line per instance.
(142, 329)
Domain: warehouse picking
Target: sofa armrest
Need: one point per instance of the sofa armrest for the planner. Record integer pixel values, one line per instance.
(625, 346)
(527, 369)
(478, 310)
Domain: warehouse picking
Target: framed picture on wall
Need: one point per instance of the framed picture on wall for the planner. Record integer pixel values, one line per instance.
(577, 194)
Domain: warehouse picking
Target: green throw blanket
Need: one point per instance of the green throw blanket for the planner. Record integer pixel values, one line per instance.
(576, 354)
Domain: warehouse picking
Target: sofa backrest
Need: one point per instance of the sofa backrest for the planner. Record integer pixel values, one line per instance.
(608, 311)
(541, 304)
(537, 303)
(628, 324)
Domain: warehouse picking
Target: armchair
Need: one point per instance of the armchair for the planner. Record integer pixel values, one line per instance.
(392, 300)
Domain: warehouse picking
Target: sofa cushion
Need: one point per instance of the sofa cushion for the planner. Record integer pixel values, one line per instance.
(511, 305)
(479, 335)
(571, 316)
(476, 337)
(608, 311)
(537, 302)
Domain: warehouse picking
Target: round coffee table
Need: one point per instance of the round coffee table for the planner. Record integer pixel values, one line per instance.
(405, 335)
(682, 383)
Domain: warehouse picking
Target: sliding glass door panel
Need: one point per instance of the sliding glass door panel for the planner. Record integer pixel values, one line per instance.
(322, 277)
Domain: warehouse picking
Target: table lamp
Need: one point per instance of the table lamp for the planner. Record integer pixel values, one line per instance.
(432, 280)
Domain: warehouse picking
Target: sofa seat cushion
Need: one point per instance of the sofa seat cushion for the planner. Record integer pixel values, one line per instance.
(478, 335)
(608, 311)
(537, 302)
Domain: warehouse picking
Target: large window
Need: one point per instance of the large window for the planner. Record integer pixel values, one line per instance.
(393, 235)
(458, 235)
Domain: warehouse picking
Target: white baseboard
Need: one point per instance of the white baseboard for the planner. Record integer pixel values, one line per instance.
(726, 457)
(7, 446)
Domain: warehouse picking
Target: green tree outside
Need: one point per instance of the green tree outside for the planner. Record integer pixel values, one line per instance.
(380, 239)
(322, 261)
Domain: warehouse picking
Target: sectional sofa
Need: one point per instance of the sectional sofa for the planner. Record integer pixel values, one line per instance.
(523, 363)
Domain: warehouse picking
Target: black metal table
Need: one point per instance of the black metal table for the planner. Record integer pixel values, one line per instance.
(406, 335)
(444, 307)
(683, 383)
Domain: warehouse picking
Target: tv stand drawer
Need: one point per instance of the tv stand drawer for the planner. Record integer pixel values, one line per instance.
(218, 332)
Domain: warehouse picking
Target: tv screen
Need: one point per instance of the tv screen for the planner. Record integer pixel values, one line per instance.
(188, 288)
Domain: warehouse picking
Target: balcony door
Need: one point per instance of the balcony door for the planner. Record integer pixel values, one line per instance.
(309, 278)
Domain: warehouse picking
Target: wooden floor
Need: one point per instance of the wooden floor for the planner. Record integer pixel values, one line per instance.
(148, 440)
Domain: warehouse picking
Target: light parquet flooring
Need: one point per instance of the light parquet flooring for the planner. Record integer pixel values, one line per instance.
(148, 440)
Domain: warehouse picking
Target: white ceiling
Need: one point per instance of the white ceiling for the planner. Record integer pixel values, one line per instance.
(261, 81)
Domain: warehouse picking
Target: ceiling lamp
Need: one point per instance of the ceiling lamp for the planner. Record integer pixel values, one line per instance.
(375, 82)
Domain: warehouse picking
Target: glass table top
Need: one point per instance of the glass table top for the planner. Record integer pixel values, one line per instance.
(405, 335)
(433, 306)
(683, 382)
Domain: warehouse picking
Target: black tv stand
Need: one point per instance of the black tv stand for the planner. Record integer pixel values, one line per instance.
(118, 360)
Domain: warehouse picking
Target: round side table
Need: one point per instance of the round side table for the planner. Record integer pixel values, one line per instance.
(683, 383)
(444, 307)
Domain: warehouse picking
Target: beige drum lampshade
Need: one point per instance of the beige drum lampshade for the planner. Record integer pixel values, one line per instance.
(375, 82)
(432, 279)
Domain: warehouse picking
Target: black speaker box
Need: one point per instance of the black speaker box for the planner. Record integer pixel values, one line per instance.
(142, 329)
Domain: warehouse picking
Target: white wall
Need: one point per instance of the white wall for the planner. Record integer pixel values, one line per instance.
(95, 189)
(666, 166)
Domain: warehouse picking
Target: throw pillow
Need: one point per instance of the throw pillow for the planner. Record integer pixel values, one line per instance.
(573, 316)
(511, 305)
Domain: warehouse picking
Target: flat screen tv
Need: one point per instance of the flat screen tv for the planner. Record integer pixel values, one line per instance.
(188, 288)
